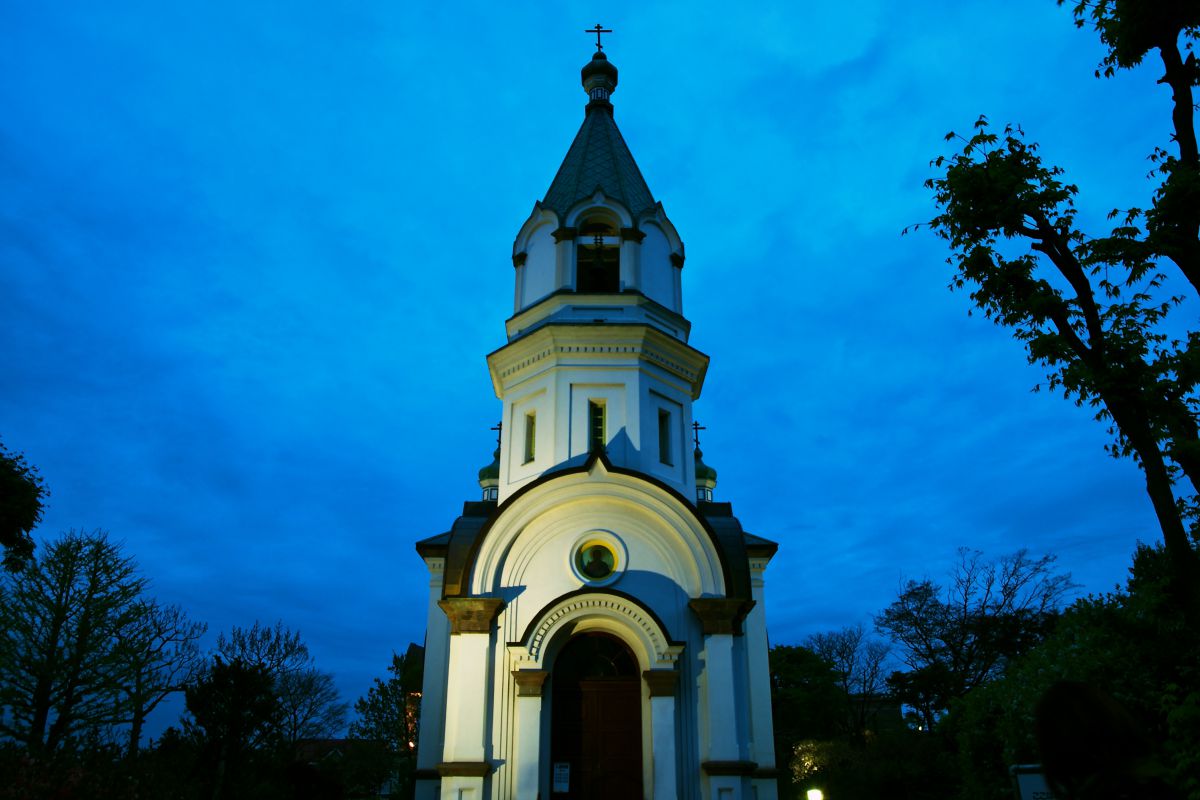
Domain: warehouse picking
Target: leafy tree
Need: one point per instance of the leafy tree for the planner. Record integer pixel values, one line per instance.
(805, 696)
(1092, 309)
(1133, 645)
(959, 637)
(391, 709)
(309, 706)
(234, 713)
(59, 619)
(859, 664)
(806, 703)
(387, 725)
(22, 495)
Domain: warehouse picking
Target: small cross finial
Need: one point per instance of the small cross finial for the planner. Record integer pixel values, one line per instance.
(498, 427)
(598, 30)
(696, 428)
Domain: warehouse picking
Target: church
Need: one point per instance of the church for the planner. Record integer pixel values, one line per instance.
(596, 625)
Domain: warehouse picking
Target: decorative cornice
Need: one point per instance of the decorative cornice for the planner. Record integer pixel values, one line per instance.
(530, 681)
(720, 615)
(519, 259)
(633, 235)
(437, 572)
(564, 233)
(728, 767)
(677, 260)
(464, 769)
(661, 682)
(630, 300)
(571, 339)
(471, 614)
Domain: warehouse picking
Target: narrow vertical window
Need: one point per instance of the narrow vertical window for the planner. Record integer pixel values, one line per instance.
(664, 436)
(530, 436)
(598, 258)
(596, 437)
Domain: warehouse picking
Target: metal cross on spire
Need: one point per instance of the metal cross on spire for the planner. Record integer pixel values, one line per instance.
(498, 427)
(598, 30)
(696, 428)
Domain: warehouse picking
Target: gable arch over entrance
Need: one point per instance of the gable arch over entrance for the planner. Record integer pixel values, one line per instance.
(560, 506)
(605, 611)
(608, 613)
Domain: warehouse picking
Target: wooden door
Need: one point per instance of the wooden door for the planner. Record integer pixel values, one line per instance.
(596, 725)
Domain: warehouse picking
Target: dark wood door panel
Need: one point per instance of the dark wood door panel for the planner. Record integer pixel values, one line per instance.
(597, 721)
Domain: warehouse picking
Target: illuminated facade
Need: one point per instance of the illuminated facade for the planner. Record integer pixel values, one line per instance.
(596, 623)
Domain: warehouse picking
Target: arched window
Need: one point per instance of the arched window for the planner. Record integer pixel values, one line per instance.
(598, 257)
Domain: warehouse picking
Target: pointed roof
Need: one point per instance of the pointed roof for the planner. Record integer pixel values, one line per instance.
(599, 157)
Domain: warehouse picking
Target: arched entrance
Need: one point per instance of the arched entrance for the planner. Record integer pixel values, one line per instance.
(596, 725)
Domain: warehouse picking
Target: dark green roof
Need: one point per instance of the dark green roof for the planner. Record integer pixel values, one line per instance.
(599, 159)
(491, 472)
(703, 471)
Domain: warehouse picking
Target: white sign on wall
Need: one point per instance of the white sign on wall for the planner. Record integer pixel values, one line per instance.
(1030, 783)
(562, 776)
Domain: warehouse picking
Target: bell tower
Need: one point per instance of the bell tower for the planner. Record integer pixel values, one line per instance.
(596, 624)
(597, 357)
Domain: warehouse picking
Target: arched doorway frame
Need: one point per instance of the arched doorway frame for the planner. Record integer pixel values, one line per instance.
(602, 718)
(639, 629)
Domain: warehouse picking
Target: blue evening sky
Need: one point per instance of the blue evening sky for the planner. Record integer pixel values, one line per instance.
(252, 256)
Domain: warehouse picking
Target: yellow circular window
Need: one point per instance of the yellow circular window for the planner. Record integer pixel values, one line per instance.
(595, 560)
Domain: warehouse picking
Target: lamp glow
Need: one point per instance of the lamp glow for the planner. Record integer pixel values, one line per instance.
(815, 794)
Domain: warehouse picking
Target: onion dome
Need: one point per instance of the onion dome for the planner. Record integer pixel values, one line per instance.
(489, 477)
(599, 78)
(706, 478)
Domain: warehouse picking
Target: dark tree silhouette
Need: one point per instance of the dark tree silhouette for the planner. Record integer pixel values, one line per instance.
(84, 650)
(234, 713)
(159, 651)
(60, 617)
(391, 709)
(959, 637)
(387, 724)
(1092, 310)
(309, 706)
(22, 495)
(860, 665)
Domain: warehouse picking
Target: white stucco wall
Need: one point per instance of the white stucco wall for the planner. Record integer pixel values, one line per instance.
(633, 390)
(665, 558)
(658, 274)
(537, 278)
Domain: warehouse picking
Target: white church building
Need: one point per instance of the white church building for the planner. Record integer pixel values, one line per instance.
(596, 623)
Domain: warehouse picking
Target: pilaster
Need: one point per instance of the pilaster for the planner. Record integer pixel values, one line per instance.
(762, 740)
(564, 257)
(464, 765)
(661, 684)
(433, 687)
(723, 760)
(720, 615)
(529, 729)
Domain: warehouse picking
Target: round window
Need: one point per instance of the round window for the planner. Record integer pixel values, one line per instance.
(595, 560)
(598, 558)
